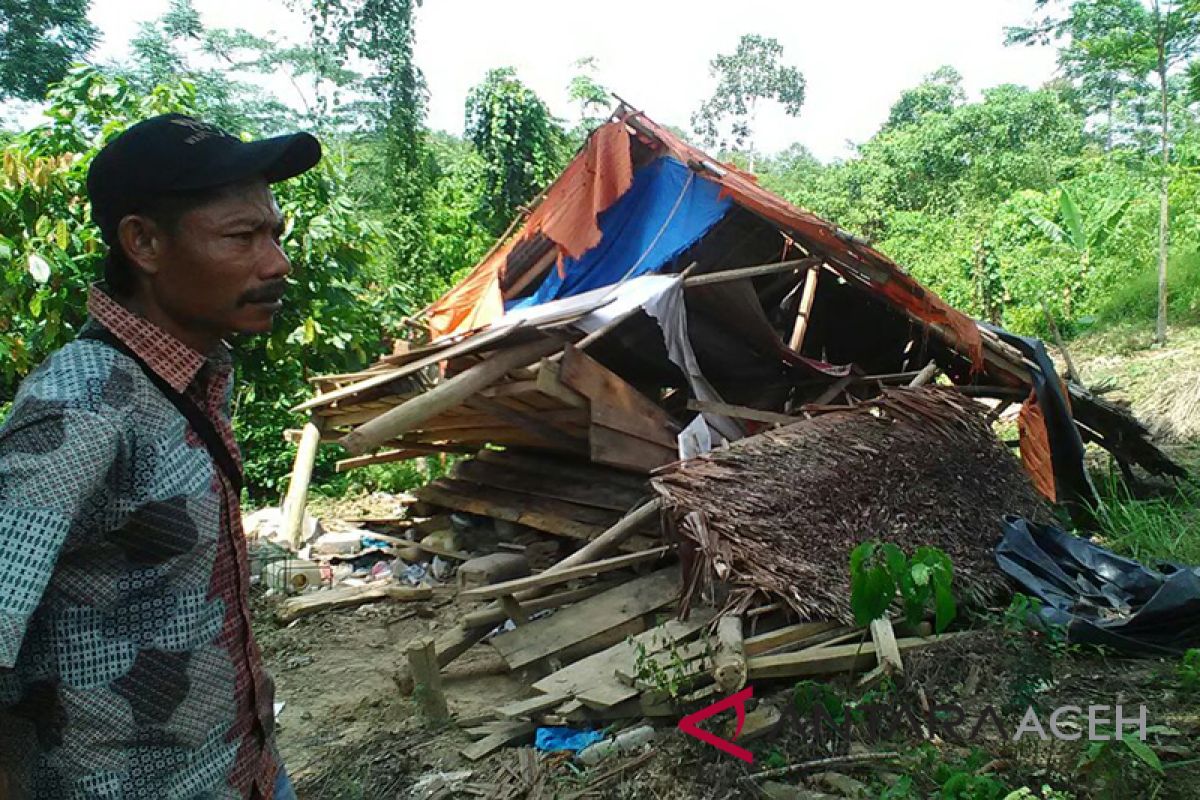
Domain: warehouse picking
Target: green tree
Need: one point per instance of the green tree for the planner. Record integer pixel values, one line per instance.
(50, 251)
(752, 74)
(39, 39)
(593, 99)
(520, 142)
(1131, 41)
(940, 93)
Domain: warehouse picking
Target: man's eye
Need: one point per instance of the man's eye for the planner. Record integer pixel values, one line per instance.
(243, 235)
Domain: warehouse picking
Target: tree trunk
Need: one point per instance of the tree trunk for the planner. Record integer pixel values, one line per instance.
(1160, 328)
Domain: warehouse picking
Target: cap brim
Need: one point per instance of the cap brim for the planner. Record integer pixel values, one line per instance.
(273, 160)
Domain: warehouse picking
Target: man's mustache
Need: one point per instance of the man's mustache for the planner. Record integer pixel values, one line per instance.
(267, 293)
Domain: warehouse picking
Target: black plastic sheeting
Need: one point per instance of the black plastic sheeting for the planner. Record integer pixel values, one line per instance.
(1100, 597)
(1072, 484)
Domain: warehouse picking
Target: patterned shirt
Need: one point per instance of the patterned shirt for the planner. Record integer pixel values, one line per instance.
(127, 666)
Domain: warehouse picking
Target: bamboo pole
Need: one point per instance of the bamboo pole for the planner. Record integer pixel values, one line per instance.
(413, 412)
(805, 310)
(297, 495)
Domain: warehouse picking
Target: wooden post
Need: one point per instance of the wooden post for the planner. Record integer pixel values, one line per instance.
(806, 304)
(410, 414)
(297, 495)
(729, 661)
(422, 661)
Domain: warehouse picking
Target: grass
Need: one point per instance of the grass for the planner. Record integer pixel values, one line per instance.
(1136, 300)
(1165, 528)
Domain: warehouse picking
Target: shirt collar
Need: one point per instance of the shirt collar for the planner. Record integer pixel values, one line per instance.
(171, 359)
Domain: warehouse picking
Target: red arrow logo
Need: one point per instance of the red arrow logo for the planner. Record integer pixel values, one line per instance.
(689, 724)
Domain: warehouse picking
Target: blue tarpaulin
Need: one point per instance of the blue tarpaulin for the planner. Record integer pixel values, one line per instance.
(666, 210)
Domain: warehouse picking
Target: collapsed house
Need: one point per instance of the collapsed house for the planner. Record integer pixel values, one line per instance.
(653, 307)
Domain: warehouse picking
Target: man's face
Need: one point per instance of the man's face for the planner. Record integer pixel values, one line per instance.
(222, 270)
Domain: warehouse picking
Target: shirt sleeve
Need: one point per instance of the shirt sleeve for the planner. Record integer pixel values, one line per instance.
(54, 462)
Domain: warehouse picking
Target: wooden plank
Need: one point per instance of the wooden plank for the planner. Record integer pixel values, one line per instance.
(532, 706)
(502, 738)
(550, 384)
(826, 660)
(541, 426)
(589, 618)
(617, 449)
(742, 412)
(545, 579)
(347, 597)
(885, 646)
(469, 345)
(595, 676)
(388, 457)
(513, 609)
(556, 468)
(590, 493)
(540, 514)
(785, 637)
(512, 389)
(410, 414)
(614, 403)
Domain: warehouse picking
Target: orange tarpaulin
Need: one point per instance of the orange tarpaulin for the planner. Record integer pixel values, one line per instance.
(591, 183)
(603, 172)
(1035, 447)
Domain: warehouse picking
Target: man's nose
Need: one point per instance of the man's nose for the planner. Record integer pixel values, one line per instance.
(277, 264)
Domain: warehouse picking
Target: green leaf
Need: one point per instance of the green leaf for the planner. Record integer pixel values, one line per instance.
(921, 574)
(944, 607)
(871, 594)
(35, 305)
(1142, 751)
(310, 331)
(62, 235)
(1072, 219)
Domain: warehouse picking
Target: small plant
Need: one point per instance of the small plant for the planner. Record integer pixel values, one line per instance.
(1189, 670)
(1124, 766)
(878, 571)
(667, 672)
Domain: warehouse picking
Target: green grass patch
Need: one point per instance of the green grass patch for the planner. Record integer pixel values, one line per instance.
(1165, 528)
(1136, 300)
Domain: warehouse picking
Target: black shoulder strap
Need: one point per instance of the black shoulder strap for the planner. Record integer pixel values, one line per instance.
(200, 423)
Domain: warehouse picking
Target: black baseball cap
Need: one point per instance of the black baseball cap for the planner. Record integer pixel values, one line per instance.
(174, 153)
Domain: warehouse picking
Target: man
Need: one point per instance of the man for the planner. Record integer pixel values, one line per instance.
(127, 665)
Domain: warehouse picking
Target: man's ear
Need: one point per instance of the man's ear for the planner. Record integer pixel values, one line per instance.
(144, 242)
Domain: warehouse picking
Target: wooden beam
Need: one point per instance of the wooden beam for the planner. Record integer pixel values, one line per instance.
(297, 496)
(790, 635)
(391, 456)
(347, 597)
(545, 579)
(539, 426)
(829, 659)
(446, 395)
(745, 273)
(742, 412)
(502, 738)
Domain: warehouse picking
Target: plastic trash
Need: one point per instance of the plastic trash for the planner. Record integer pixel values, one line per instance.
(628, 742)
(1100, 597)
(553, 740)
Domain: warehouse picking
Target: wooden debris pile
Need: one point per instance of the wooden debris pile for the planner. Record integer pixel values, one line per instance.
(773, 517)
(773, 342)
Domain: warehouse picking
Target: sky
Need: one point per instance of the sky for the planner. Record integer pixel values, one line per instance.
(856, 55)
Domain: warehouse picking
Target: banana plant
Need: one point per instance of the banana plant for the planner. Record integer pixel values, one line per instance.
(1082, 237)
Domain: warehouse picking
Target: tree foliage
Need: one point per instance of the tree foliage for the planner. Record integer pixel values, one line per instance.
(39, 39)
(521, 144)
(752, 74)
